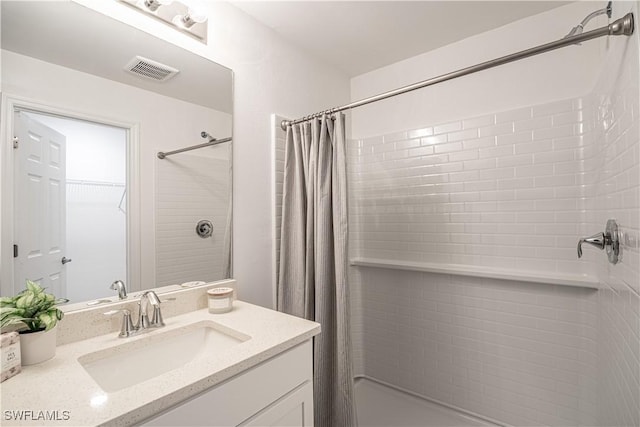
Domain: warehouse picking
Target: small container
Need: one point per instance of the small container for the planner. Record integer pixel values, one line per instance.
(220, 300)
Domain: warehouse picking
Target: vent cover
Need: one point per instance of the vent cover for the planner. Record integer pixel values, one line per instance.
(151, 70)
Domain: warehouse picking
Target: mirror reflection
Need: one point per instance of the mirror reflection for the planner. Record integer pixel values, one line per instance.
(86, 199)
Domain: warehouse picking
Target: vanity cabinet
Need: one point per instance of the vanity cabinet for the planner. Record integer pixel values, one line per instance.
(276, 392)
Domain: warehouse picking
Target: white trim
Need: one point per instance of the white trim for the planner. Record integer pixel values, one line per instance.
(582, 281)
(274, 214)
(11, 103)
(477, 417)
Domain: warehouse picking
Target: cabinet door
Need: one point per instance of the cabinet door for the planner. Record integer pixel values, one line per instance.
(293, 409)
(242, 397)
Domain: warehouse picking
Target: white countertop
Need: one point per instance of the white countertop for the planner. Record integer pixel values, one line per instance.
(62, 386)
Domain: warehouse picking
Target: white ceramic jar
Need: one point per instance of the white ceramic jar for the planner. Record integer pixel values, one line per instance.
(220, 300)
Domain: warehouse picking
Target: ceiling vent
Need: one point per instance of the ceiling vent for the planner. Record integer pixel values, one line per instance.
(150, 70)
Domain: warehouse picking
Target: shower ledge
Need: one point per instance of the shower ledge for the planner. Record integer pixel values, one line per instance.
(582, 281)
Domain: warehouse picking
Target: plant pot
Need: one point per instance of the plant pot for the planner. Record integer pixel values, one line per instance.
(37, 347)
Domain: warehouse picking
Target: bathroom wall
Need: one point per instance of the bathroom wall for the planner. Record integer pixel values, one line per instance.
(190, 188)
(510, 350)
(502, 192)
(430, 191)
(614, 192)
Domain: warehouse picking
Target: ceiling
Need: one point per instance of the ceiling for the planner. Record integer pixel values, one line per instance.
(360, 36)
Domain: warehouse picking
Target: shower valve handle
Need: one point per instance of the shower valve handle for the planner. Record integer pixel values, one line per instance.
(598, 240)
(609, 240)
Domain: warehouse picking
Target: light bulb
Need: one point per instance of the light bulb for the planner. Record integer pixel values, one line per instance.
(153, 5)
(192, 17)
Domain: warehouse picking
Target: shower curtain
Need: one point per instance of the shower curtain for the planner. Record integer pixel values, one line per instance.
(312, 279)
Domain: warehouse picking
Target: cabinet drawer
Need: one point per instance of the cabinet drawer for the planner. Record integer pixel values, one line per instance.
(244, 395)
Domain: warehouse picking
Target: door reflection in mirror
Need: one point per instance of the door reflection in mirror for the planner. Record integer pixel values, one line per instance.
(70, 179)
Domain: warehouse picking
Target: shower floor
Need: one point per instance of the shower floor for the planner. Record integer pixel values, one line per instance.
(379, 405)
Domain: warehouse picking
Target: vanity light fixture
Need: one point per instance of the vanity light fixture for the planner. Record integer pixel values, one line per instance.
(186, 18)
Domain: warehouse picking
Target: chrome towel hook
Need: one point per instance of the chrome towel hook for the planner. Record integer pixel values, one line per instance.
(609, 240)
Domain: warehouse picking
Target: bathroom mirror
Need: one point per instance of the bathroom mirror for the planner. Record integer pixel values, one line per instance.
(87, 104)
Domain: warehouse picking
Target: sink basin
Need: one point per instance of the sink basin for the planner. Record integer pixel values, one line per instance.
(155, 354)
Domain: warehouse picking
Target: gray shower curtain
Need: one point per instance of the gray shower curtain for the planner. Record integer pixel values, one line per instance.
(312, 280)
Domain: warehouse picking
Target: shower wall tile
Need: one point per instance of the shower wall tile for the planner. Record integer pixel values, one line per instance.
(185, 195)
(520, 353)
(614, 159)
(278, 138)
(503, 181)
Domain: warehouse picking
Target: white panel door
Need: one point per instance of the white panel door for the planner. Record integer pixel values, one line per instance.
(39, 205)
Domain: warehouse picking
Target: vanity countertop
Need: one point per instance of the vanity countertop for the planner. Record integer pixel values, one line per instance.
(62, 387)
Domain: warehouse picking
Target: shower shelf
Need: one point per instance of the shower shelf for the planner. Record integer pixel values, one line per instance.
(582, 281)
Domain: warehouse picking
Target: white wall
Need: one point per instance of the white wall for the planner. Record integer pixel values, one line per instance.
(614, 192)
(521, 353)
(270, 76)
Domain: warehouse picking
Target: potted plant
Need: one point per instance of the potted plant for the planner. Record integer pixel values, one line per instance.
(36, 310)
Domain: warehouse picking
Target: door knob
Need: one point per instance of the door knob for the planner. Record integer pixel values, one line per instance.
(65, 260)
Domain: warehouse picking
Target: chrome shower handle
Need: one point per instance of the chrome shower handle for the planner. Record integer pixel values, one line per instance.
(598, 240)
(609, 240)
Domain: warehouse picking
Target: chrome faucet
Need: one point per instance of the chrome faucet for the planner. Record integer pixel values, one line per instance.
(128, 329)
(119, 286)
(149, 297)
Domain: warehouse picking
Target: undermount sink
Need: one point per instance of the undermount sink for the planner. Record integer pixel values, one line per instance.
(155, 354)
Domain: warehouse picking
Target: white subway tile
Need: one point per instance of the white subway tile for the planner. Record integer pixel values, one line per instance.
(553, 132)
(437, 139)
(462, 135)
(447, 128)
(419, 133)
(479, 122)
(514, 115)
(519, 160)
(397, 136)
(489, 141)
(515, 138)
(535, 123)
(446, 148)
(500, 129)
(496, 152)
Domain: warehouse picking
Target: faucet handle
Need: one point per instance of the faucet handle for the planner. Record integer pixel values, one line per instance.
(598, 240)
(127, 328)
(609, 240)
(156, 318)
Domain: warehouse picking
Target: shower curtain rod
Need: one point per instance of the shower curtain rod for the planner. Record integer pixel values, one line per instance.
(622, 26)
(162, 154)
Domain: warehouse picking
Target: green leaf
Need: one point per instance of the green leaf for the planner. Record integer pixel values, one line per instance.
(27, 299)
(7, 302)
(47, 319)
(34, 287)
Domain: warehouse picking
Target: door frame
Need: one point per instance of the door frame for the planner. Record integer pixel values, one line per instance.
(12, 103)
